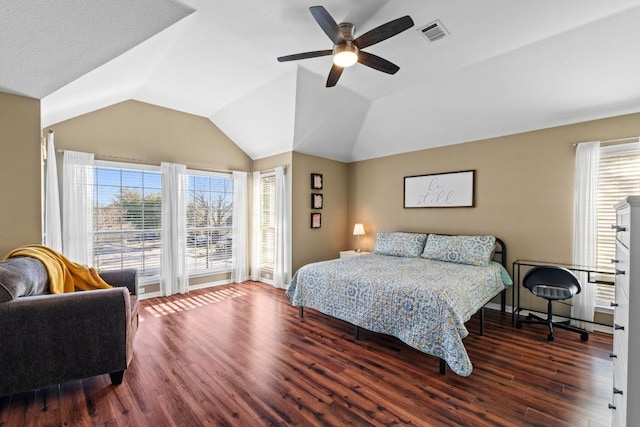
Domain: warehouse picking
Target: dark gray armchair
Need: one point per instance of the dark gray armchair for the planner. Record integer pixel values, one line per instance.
(48, 339)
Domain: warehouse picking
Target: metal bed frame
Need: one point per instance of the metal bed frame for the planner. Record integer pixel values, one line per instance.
(500, 255)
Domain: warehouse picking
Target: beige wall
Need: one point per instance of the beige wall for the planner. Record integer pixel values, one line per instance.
(20, 176)
(309, 244)
(137, 132)
(268, 163)
(524, 189)
(524, 182)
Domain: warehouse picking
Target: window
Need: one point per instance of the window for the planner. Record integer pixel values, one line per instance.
(267, 224)
(619, 177)
(209, 222)
(126, 220)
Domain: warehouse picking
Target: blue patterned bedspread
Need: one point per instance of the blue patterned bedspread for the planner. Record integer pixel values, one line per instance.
(422, 302)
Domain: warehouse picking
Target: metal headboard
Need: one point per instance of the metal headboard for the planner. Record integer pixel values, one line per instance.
(501, 252)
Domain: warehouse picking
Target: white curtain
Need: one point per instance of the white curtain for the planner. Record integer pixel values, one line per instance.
(240, 224)
(281, 269)
(173, 265)
(585, 228)
(77, 199)
(255, 228)
(52, 222)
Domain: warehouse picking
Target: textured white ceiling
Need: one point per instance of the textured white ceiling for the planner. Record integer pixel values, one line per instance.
(506, 67)
(46, 44)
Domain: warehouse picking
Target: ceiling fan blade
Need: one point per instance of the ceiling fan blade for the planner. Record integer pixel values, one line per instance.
(327, 23)
(334, 75)
(305, 55)
(384, 31)
(377, 63)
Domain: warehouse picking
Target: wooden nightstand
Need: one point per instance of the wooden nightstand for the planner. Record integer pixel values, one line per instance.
(346, 254)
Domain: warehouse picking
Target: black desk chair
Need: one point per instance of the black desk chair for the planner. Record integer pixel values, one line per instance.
(552, 283)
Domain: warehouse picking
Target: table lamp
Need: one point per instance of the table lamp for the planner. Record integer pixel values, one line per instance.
(358, 230)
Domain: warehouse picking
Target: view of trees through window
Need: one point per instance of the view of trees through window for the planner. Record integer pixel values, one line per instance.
(127, 220)
(209, 222)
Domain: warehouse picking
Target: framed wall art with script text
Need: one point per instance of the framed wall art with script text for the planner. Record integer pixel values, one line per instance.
(440, 190)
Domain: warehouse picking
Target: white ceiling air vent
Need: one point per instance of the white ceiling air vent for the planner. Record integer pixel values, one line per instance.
(434, 31)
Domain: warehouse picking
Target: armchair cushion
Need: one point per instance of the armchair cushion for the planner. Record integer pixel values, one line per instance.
(64, 274)
(22, 277)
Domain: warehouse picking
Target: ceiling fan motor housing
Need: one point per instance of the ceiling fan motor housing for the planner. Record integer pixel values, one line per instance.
(348, 30)
(347, 46)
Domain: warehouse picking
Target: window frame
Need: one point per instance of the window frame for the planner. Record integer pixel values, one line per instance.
(155, 278)
(120, 166)
(229, 236)
(266, 271)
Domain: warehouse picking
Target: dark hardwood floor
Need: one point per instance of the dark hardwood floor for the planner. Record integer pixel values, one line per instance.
(239, 355)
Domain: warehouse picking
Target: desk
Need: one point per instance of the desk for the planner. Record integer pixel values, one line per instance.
(591, 278)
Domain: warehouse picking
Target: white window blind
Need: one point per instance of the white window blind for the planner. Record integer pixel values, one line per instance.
(267, 224)
(619, 177)
(209, 222)
(127, 219)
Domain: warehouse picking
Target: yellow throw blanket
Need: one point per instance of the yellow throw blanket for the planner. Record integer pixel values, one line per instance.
(64, 275)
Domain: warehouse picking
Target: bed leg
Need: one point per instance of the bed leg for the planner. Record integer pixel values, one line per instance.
(443, 367)
(482, 320)
(301, 312)
(503, 301)
(356, 332)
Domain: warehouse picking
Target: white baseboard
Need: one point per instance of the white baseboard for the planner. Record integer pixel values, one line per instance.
(496, 306)
(148, 295)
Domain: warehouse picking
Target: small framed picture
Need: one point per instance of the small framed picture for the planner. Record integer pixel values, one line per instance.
(316, 201)
(316, 220)
(316, 181)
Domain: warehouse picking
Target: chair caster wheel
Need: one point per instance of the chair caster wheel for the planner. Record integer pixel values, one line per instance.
(550, 337)
(584, 336)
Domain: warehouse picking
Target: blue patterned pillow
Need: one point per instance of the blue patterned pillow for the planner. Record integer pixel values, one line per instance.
(399, 244)
(473, 250)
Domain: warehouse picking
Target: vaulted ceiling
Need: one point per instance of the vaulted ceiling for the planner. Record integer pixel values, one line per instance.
(503, 67)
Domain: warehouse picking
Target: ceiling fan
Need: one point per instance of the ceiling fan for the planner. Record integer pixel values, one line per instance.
(347, 50)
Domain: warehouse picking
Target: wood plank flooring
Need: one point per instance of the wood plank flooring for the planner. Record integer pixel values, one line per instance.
(239, 355)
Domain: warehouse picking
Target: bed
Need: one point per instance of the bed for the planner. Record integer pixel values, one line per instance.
(419, 288)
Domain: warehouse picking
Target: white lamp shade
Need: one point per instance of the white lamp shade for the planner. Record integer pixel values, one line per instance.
(358, 230)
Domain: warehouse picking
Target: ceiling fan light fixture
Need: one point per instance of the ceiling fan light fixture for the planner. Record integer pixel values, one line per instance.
(346, 49)
(345, 55)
